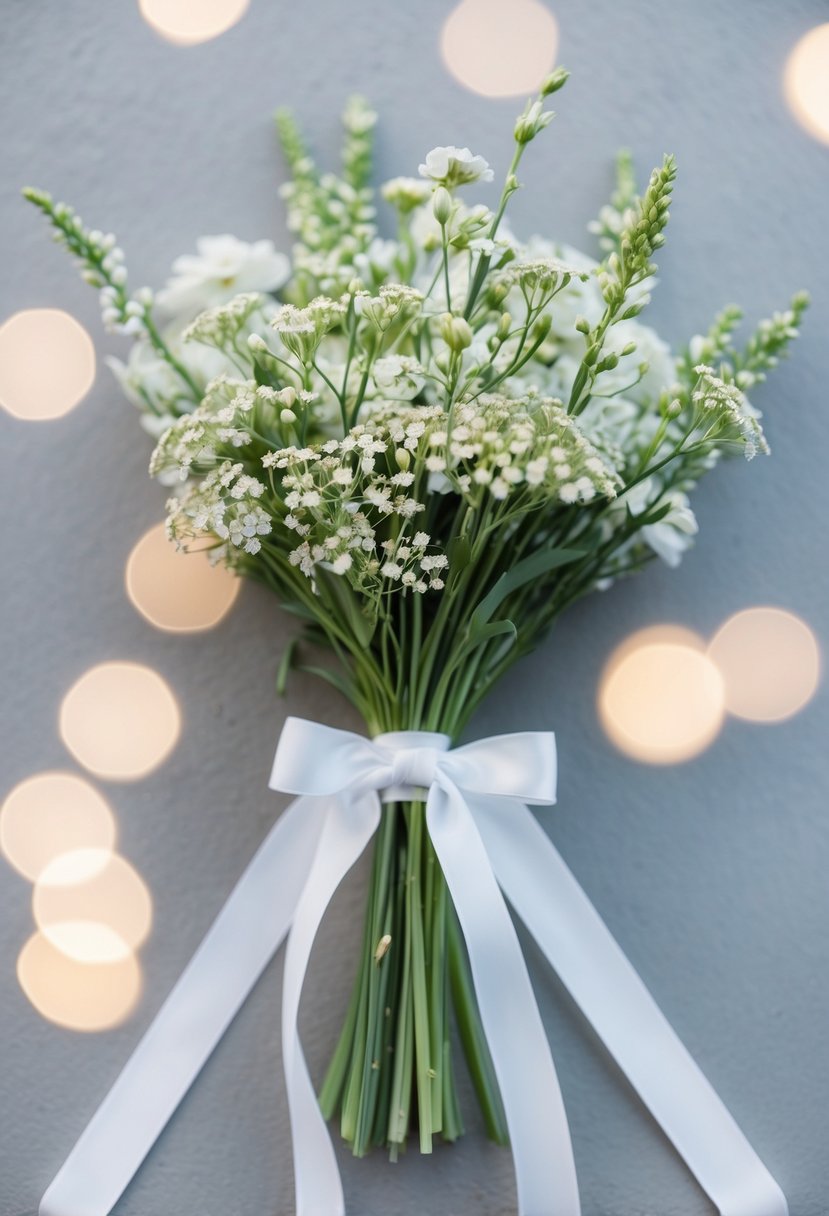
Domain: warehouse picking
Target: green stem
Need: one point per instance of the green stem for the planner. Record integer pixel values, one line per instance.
(473, 1038)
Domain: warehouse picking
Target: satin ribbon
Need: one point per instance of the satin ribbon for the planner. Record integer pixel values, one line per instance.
(486, 841)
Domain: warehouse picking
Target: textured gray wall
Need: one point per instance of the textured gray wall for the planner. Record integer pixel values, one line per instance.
(712, 874)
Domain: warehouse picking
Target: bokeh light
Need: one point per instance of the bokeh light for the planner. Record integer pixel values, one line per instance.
(499, 49)
(120, 720)
(187, 22)
(80, 996)
(47, 364)
(806, 82)
(770, 663)
(661, 698)
(92, 908)
(177, 592)
(49, 814)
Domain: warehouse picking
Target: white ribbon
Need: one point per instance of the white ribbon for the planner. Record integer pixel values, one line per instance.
(484, 838)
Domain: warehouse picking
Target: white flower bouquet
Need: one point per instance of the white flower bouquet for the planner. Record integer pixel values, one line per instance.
(428, 445)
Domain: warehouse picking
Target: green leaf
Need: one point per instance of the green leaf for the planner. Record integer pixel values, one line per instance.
(299, 610)
(335, 678)
(459, 553)
(285, 664)
(345, 604)
(479, 637)
(524, 572)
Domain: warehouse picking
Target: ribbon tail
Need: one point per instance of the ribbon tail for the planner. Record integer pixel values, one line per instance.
(601, 980)
(207, 996)
(349, 826)
(539, 1135)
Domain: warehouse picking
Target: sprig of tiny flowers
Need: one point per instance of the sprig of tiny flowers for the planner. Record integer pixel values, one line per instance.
(103, 266)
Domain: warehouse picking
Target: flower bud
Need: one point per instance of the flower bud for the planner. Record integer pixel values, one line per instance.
(257, 342)
(582, 325)
(287, 417)
(533, 120)
(402, 459)
(455, 332)
(497, 293)
(555, 81)
(288, 396)
(442, 205)
(504, 326)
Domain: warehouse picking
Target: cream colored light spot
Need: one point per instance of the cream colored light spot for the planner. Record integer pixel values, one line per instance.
(806, 82)
(177, 592)
(95, 910)
(770, 662)
(500, 49)
(52, 813)
(47, 364)
(120, 720)
(661, 698)
(80, 996)
(187, 22)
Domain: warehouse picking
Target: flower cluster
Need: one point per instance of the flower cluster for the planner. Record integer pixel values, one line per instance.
(726, 414)
(224, 507)
(382, 404)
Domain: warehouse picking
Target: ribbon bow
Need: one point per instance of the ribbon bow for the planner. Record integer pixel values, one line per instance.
(487, 841)
(519, 767)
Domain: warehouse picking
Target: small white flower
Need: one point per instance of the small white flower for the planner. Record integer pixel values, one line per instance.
(451, 166)
(342, 563)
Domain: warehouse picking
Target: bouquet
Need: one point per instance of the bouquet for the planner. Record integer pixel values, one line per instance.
(428, 445)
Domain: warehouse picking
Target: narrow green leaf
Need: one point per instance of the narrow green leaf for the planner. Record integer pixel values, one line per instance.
(524, 572)
(285, 664)
(337, 591)
(335, 678)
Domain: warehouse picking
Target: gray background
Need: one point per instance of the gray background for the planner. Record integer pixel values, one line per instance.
(713, 873)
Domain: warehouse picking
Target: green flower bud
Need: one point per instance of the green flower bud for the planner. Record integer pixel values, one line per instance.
(403, 459)
(582, 325)
(533, 120)
(455, 332)
(442, 205)
(555, 81)
(504, 326)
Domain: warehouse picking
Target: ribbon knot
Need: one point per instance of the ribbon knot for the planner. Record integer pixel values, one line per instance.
(415, 766)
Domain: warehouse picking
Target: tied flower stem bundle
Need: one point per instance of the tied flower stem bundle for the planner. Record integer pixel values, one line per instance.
(428, 446)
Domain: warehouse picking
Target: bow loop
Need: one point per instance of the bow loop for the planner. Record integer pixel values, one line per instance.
(319, 761)
(521, 766)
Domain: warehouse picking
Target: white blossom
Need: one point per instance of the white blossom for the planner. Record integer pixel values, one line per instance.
(222, 268)
(451, 166)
